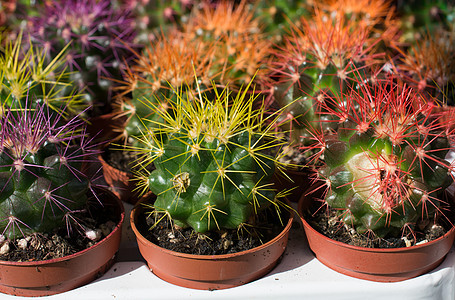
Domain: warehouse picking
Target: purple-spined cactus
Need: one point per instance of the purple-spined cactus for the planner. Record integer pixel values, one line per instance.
(100, 38)
(41, 179)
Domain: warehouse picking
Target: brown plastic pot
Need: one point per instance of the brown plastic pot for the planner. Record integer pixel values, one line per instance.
(210, 272)
(119, 182)
(49, 277)
(374, 264)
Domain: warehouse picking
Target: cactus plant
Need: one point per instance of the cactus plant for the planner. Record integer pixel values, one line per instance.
(41, 179)
(384, 167)
(221, 44)
(27, 75)
(242, 49)
(212, 166)
(99, 35)
(318, 58)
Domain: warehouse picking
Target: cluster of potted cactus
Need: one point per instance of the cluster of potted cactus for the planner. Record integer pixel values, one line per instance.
(218, 103)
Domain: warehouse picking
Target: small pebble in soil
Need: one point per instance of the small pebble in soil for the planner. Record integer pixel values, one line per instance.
(4, 249)
(93, 234)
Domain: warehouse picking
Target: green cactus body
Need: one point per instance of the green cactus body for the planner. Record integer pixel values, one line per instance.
(212, 167)
(210, 190)
(385, 168)
(41, 179)
(36, 197)
(26, 76)
(318, 61)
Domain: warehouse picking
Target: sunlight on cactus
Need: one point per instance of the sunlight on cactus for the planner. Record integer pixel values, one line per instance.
(384, 167)
(213, 159)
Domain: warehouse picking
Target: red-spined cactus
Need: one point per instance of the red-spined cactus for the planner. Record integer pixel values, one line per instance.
(318, 58)
(384, 166)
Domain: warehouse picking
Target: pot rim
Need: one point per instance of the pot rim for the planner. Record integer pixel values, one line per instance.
(79, 253)
(140, 237)
(366, 249)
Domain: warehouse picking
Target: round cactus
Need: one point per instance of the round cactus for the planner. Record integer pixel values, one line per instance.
(229, 52)
(212, 167)
(26, 75)
(99, 37)
(318, 58)
(40, 171)
(429, 65)
(385, 166)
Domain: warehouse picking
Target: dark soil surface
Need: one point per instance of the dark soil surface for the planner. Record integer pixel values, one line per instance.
(326, 222)
(185, 240)
(95, 222)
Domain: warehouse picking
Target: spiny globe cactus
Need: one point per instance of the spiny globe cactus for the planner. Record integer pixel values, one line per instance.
(212, 166)
(170, 61)
(41, 181)
(27, 75)
(385, 166)
(242, 48)
(318, 58)
(219, 44)
(99, 38)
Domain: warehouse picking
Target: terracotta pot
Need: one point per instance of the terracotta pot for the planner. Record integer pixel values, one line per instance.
(49, 277)
(297, 182)
(119, 182)
(376, 264)
(210, 272)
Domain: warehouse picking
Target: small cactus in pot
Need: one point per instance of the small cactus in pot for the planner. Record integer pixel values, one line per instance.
(212, 158)
(222, 43)
(98, 38)
(27, 76)
(384, 167)
(318, 58)
(41, 177)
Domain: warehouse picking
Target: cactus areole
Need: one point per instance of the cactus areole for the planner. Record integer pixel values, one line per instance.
(212, 167)
(385, 167)
(41, 181)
